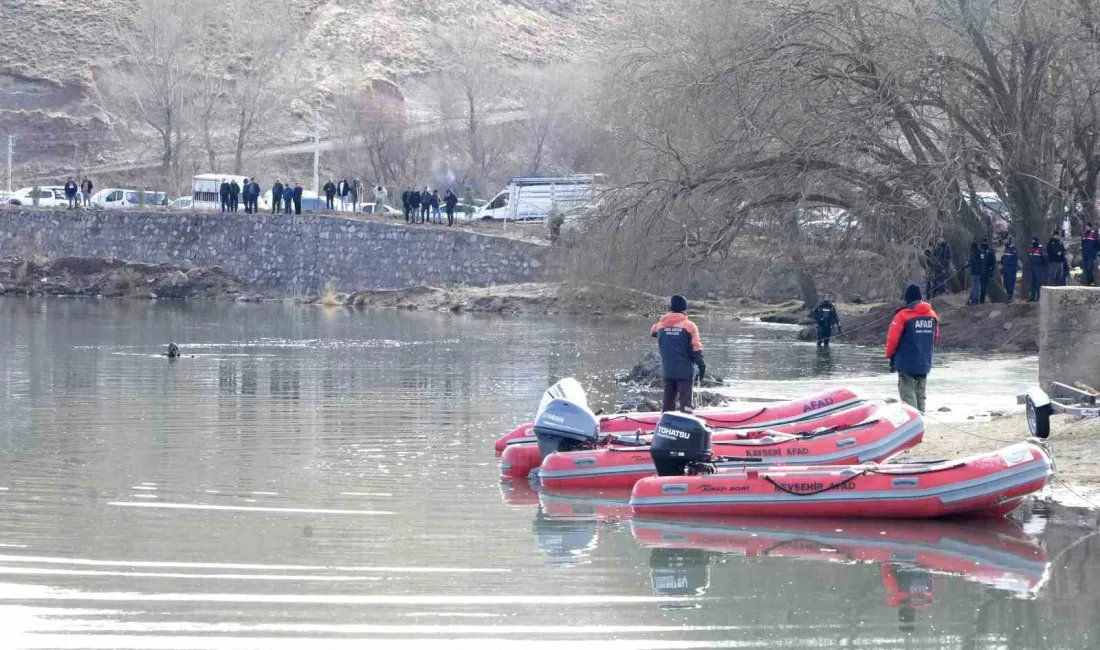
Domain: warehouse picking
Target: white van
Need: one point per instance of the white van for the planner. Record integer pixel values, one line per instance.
(534, 198)
(52, 196)
(115, 198)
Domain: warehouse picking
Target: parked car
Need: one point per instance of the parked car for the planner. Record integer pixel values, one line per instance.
(183, 203)
(389, 210)
(52, 196)
(120, 198)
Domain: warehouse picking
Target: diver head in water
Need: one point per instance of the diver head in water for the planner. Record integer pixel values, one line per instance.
(173, 351)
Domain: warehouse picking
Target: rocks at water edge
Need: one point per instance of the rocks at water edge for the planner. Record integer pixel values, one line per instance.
(648, 373)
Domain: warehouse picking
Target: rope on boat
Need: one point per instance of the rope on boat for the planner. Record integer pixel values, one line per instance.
(762, 410)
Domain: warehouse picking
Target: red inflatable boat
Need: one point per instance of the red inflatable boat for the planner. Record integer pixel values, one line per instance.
(864, 433)
(762, 416)
(994, 553)
(990, 484)
(521, 454)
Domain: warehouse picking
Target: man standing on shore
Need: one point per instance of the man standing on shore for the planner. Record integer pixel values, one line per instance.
(86, 190)
(234, 195)
(70, 192)
(450, 200)
(330, 194)
(909, 342)
(297, 198)
(406, 203)
(1010, 262)
(276, 196)
(1056, 260)
(1036, 268)
(223, 192)
(1089, 248)
(681, 351)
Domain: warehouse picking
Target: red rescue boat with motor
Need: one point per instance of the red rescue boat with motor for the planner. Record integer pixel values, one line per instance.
(766, 415)
(986, 485)
(868, 432)
(522, 455)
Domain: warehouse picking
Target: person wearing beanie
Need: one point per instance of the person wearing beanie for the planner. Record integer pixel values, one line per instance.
(825, 316)
(913, 333)
(1036, 269)
(1010, 262)
(1056, 260)
(681, 351)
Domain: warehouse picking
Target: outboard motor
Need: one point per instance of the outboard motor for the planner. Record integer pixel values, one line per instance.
(564, 426)
(679, 441)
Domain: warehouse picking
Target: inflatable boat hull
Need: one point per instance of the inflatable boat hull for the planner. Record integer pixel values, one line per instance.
(990, 485)
(521, 454)
(769, 415)
(865, 433)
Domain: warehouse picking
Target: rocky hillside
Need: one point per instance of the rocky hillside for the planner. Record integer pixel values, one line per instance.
(55, 51)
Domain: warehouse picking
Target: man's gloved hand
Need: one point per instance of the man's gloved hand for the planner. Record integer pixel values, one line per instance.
(892, 368)
(702, 371)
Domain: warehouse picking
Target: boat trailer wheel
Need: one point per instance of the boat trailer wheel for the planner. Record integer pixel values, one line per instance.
(1038, 419)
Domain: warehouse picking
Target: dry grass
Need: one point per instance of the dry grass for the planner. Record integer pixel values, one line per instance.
(330, 298)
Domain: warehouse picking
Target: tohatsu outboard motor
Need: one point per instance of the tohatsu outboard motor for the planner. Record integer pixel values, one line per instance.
(680, 442)
(562, 425)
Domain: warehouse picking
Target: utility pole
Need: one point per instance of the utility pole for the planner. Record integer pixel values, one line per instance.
(11, 153)
(317, 161)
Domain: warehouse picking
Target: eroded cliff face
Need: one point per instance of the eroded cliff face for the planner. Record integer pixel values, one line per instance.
(56, 52)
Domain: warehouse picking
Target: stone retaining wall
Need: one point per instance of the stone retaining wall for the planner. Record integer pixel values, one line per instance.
(287, 254)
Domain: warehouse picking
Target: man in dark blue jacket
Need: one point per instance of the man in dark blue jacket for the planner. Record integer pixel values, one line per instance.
(913, 333)
(681, 351)
(1036, 269)
(1056, 260)
(825, 316)
(1010, 262)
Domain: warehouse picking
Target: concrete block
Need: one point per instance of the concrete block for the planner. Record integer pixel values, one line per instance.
(1069, 336)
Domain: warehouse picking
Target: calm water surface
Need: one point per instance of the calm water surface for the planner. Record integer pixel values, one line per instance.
(321, 479)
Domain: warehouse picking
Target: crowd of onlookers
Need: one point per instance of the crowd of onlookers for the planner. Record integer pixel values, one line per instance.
(423, 207)
(1048, 265)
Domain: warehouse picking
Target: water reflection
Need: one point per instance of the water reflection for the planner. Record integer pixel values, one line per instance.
(325, 480)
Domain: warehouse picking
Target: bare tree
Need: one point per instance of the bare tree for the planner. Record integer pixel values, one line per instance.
(263, 72)
(471, 84)
(377, 135)
(151, 86)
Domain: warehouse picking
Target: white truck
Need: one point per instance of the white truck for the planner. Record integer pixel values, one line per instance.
(535, 198)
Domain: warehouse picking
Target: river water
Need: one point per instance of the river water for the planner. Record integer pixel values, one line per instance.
(313, 478)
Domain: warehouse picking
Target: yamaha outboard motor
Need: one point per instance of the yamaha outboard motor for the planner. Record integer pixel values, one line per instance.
(678, 441)
(563, 426)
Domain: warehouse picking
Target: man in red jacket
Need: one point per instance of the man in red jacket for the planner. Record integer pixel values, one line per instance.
(913, 333)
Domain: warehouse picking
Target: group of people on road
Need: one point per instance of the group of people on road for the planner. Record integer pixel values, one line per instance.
(910, 340)
(349, 195)
(424, 206)
(231, 192)
(78, 195)
(286, 198)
